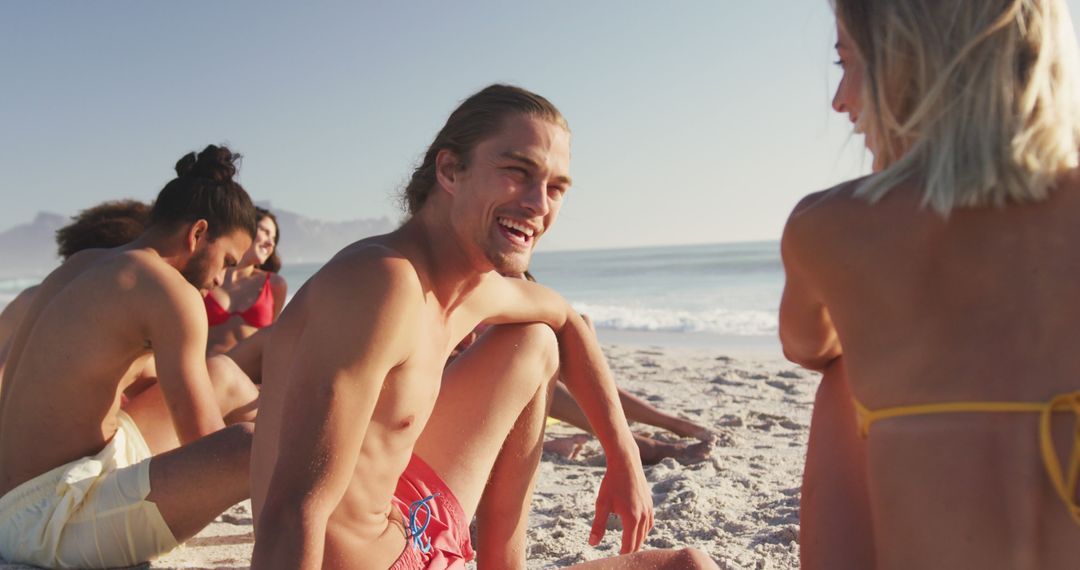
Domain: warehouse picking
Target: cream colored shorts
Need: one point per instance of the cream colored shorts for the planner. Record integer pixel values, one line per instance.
(90, 513)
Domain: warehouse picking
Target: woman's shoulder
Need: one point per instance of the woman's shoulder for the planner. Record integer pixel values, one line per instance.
(277, 282)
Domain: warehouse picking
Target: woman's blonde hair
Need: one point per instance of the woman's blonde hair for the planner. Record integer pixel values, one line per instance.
(976, 99)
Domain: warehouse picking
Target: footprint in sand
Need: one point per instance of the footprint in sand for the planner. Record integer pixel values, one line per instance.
(724, 381)
(786, 387)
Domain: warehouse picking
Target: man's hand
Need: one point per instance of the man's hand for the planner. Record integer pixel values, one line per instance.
(625, 492)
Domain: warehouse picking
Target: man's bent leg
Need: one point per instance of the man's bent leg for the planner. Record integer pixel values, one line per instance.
(236, 395)
(192, 485)
(502, 516)
(685, 559)
(484, 392)
(505, 382)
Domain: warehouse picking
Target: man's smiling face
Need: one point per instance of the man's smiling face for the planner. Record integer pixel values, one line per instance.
(511, 189)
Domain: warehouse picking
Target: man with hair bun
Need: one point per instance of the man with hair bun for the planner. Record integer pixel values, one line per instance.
(368, 454)
(84, 484)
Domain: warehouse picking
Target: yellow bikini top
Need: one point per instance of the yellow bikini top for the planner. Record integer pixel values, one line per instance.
(1065, 486)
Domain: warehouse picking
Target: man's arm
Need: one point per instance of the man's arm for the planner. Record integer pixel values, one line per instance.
(807, 333)
(354, 337)
(585, 372)
(177, 332)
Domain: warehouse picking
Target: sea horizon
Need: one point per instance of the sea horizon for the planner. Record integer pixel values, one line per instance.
(685, 295)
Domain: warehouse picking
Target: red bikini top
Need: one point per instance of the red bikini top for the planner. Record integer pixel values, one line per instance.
(260, 314)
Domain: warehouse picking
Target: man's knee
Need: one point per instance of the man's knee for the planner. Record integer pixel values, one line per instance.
(540, 342)
(233, 387)
(223, 371)
(693, 558)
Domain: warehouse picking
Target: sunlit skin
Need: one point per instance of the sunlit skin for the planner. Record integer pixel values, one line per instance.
(94, 324)
(374, 328)
(241, 287)
(511, 186)
(849, 92)
(899, 306)
(848, 96)
(835, 529)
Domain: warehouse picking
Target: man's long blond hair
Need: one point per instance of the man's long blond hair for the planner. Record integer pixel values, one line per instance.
(977, 100)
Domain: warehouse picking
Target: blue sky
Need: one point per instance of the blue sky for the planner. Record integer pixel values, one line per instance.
(696, 121)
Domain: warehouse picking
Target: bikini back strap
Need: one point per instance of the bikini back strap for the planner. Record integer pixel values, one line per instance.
(1065, 483)
(865, 416)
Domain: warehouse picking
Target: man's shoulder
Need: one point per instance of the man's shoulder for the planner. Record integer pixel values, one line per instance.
(367, 267)
(140, 274)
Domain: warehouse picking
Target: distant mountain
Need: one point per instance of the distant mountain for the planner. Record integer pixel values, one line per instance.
(29, 250)
(309, 240)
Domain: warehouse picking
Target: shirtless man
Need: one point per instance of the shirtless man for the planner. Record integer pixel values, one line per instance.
(938, 295)
(368, 455)
(109, 224)
(78, 486)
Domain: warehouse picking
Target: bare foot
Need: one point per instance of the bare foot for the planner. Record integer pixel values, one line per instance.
(653, 451)
(686, 428)
(568, 447)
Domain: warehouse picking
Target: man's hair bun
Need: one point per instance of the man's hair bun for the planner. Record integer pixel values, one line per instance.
(216, 163)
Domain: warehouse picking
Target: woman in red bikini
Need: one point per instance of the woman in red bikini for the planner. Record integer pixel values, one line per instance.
(253, 293)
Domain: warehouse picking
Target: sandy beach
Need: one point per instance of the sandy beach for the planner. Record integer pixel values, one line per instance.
(740, 505)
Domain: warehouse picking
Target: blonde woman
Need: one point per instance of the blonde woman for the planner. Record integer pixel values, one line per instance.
(939, 294)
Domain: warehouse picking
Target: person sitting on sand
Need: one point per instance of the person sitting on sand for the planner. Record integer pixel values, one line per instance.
(252, 294)
(106, 225)
(565, 408)
(938, 294)
(369, 454)
(83, 483)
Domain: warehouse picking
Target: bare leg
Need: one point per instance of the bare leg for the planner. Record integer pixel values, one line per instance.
(836, 527)
(654, 451)
(247, 354)
(194, 484)
(638, 410)
(565, 408)
(236, 395)
(490, 465)
(502, 516)
(685, 559)
(502, 383)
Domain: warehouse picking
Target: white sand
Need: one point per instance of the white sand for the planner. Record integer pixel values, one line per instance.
(741, 506)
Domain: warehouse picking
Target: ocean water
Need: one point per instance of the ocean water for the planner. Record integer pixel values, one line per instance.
(724, 289)
(730, 290)
(9, 288)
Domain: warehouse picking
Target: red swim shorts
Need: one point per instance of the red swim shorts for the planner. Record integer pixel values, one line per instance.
(434, 520)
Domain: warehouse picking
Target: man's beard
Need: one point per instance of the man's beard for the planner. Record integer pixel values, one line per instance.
(510, 263)
(198, 271)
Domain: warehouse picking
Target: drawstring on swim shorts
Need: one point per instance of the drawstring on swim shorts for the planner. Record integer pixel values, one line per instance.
(416, 532)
